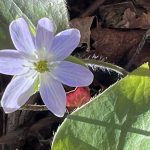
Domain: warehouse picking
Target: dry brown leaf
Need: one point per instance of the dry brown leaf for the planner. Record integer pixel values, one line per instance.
(115, 44)
(131, 21)
(143, 3)
(112, 14)
(128, 17)
(84, 25)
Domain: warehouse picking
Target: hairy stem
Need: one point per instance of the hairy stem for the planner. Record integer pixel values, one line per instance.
(105, 64)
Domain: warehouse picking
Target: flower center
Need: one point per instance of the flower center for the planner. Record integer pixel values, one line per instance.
(41, 66)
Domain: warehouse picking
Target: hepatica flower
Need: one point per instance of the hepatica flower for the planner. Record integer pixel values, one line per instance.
(41, 58)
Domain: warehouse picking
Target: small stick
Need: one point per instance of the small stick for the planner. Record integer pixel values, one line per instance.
(30, 107)
(138, 49)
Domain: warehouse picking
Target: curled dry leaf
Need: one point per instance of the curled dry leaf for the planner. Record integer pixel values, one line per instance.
(130, 20)
(84, 25)
(125, 15)
(112, 14)
(78, 97)
(115, 44)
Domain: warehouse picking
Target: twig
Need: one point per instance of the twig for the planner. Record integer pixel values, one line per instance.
(138, 49)
(30, 107)
(92, 8)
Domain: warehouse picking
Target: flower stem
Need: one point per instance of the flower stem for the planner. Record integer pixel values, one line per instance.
(105, 64)
(31, 107)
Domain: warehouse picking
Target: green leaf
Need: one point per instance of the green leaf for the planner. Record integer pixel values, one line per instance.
(32, 11)
(117, 119)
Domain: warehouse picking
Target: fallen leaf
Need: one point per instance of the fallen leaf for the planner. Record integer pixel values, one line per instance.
(130, 20)
(114, 44)
(84, 25)
(144, 3)
(78, 97)
(112, 14)
(128, 17)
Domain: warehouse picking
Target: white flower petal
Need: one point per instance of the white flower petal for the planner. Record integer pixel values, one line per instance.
(64, 43)
(11, 62)
(44, 34)
(21, 36)
(18, 92)
(72, 74)
(53, 95)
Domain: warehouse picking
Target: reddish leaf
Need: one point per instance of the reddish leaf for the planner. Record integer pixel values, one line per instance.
(78, 97)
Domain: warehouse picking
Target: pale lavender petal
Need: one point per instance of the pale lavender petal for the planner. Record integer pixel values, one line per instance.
(72, 74)
(12, 62)
(44, 34)
(64, 43)
(18, 92)
(21, 36)
(53, 95)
